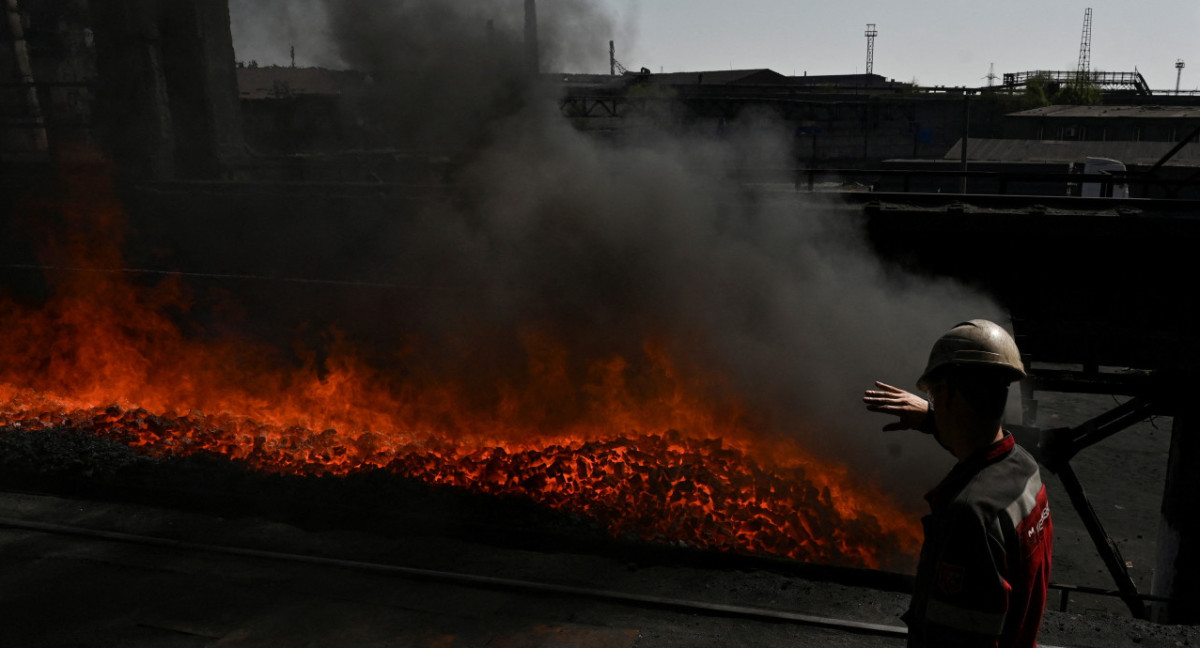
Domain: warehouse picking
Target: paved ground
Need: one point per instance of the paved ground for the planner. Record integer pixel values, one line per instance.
(63, 590)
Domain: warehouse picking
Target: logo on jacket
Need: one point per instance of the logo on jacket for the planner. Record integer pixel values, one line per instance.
(1034, 533)
(950, 577)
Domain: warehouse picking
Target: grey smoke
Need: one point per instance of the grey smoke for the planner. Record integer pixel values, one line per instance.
(611, 243)
(440, 70)
(782, 295)
(264, 31)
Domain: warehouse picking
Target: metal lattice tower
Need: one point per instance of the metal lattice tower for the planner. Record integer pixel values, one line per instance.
(1085, 47)
(1178, 73)
(614, 66)
(871, 34)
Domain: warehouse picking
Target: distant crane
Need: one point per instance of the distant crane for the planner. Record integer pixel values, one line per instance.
(871, 34)
(1082, 71)
(1178, 73)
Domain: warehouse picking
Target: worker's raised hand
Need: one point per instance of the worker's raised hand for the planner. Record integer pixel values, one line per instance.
(886, 399)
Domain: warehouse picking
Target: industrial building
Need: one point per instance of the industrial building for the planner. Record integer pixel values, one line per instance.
(269, 203)
(1127, 123)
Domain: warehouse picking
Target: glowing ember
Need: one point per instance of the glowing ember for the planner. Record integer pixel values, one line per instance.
(658, 488)
(102, 356)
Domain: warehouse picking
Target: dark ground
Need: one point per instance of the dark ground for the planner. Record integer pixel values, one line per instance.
(63, 590)
(1123, 477)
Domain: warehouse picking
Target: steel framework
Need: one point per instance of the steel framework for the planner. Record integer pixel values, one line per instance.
(871, 33)
(1085, 47)
(1103, 80)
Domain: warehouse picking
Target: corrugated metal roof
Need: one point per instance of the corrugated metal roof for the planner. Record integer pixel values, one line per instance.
(273, 82)
(1111, 112)
(1013, 150)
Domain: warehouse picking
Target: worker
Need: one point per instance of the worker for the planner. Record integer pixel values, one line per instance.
(985, 561)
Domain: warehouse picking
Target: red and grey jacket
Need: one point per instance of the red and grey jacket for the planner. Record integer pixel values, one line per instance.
(985, 563)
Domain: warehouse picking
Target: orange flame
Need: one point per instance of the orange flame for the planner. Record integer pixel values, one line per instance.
(639, 444)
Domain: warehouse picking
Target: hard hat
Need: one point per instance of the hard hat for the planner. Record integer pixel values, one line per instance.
(978, 343)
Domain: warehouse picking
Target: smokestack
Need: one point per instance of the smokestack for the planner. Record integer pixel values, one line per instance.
(531, 37)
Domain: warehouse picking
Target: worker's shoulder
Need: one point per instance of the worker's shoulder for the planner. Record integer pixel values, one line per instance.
(999, 485)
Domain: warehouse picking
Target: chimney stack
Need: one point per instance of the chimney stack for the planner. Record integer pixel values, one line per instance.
(531, 38)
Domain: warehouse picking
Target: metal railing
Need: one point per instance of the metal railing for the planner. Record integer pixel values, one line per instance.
(1103, 80)
(1001, 180)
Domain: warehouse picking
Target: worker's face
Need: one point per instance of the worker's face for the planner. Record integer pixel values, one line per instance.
(940, 399)
(936, 392)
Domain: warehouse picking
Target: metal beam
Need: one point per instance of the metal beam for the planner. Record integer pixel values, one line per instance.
(1075, 382)
(1110, 553)
(1060, 445)
(1170, 154)
(1054, 449)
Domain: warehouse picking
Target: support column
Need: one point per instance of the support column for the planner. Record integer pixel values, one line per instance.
(168, 103)
(133, 115)
(1177, 572)
(966, 136)
(202, 84)
(35, 124)
(532, 56)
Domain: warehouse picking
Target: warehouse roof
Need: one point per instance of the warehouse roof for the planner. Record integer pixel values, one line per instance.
(1111, 112)
(1018, 150)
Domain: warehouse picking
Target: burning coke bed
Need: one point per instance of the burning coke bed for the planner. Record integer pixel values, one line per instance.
(640, 455)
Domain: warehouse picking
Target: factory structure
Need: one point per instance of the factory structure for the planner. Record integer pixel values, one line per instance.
(160, 88)
(154, 92)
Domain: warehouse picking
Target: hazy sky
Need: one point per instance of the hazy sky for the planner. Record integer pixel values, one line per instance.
(939, 42)
(936, 42)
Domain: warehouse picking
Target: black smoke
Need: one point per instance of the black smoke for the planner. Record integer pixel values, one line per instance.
(607, 244)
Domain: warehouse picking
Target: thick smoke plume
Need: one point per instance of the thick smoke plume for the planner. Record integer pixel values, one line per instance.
(605, 245)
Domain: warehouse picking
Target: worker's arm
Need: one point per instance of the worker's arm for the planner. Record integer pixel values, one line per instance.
(915, 412)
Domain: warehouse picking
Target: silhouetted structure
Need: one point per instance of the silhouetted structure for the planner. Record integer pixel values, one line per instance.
(167, 98)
